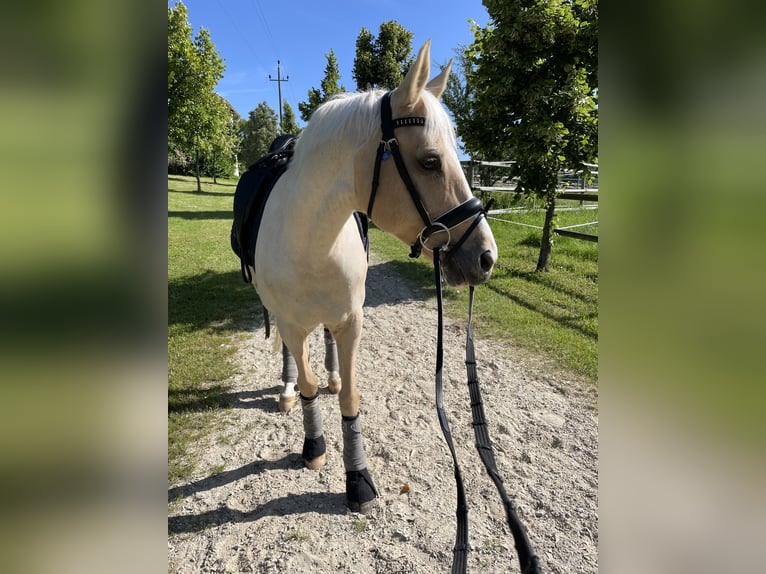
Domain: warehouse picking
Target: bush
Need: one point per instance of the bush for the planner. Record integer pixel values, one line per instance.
(179, 163)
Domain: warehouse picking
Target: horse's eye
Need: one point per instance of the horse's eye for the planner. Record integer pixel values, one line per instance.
(431, 162)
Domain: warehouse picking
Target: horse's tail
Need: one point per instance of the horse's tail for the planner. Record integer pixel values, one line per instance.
(277, 342)
(276, 345)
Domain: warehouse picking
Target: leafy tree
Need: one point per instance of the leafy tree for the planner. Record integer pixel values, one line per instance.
(194, 68)
(328, 88)
(534, 81)
(259, 131)
(182, 61)
(289, 123)
(382, 61)
(458, 98)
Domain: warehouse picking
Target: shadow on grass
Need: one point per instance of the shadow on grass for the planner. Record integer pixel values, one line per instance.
(321, 502)
(203, 193)
(186, 400)
(545, 280)
(568, 322)
(202, 214)
(214, 300)
(216, 396)
(192, 179)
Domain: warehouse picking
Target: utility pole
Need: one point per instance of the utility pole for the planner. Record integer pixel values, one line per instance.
(279, 81)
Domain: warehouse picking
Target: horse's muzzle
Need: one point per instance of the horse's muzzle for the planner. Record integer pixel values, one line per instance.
(465, 267)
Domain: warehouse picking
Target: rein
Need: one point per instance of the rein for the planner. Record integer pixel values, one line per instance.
(472, 208)
(528, 562)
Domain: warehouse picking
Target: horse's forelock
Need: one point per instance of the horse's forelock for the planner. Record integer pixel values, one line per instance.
(438, 124)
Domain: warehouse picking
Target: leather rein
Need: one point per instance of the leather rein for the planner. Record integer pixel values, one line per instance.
(389, 146)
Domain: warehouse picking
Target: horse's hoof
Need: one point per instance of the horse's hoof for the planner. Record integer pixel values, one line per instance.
(287, 402)
(361, 507)
(314, 450)
(316, 463)
(360, 491)
(334, 383)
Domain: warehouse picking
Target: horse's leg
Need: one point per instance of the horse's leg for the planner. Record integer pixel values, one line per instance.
(314, 446)
(360, 490)
(331, 362)
(288, 398)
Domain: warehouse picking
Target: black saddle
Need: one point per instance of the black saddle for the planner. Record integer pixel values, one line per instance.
(253, 190)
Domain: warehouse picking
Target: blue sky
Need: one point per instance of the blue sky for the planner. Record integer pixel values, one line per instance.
(252, 35)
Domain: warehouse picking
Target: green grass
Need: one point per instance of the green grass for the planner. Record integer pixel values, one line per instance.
(553, 314)
(207, 303)
(359, 525)
(296, 534)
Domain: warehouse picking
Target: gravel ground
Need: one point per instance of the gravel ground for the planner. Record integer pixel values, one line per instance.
(254, 507)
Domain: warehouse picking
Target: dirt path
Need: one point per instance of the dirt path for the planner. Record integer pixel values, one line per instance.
(255, 508)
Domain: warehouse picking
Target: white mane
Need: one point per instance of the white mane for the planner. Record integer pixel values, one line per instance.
(354, 117)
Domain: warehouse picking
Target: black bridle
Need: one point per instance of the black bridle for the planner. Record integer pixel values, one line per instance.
(528, 561)
(389, 146)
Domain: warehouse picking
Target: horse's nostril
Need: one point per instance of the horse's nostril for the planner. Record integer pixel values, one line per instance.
(487, 261)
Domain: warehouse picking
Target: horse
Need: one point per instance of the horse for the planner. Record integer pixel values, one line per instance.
(287, 397)
(309, 267)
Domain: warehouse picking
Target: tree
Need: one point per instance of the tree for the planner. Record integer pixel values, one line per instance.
(182, 60)
(194, 68)
(535, 79)
(259, 131)
(459, 97)
(382, 61)
(225, 141)
(289, 123)
(328, 88)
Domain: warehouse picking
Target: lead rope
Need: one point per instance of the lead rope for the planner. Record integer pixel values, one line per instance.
(460, 552)
(528, 561)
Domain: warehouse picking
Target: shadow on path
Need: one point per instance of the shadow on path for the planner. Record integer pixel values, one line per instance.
(320, 502)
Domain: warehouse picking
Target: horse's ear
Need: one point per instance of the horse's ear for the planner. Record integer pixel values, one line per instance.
(408, 92)
(439, 83)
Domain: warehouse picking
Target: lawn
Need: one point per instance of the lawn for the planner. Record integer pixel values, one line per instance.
(554, 314)
(207, 304)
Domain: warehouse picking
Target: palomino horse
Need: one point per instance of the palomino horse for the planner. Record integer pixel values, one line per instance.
(310, 266)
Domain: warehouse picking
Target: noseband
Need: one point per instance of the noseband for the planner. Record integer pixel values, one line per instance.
(389, 146)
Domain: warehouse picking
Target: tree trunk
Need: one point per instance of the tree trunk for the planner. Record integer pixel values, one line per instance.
(214, 170)
(199, 184)
(545, 244)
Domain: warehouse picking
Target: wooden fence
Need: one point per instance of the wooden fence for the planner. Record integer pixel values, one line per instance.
(573, 187)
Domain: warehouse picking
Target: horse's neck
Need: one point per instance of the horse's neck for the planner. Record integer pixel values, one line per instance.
(320, 196)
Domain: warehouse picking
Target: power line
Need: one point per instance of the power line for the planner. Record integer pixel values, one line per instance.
(259, 12)
(240, 34)
(279, 79)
